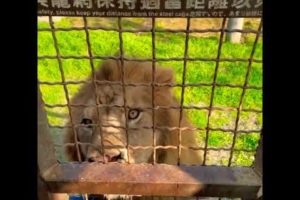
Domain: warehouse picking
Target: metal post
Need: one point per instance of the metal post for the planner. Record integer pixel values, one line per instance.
(234, 23)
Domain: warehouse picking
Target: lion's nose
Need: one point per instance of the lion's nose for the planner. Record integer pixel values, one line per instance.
(114, 158)
(98, 158)
(106, 158)
(92, 159)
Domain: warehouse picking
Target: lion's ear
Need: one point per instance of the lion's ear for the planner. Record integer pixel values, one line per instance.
(164, 75)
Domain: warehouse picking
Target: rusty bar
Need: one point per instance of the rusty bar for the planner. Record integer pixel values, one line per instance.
(46, 150)
(153, 87)
(42, 189)
(213, 88)
(154, 180)
(259, 157)
(155, 84)
(158, 107)
(150, 59)
(186, 48)
(149, 30)
(123, 85)
(156, 147)
(64, 86)
(258, 164)
(243, 95)
(94, 80)
(170, 128)
(46, 154)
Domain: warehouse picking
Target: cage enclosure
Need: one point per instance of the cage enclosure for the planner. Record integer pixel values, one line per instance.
(101, 58)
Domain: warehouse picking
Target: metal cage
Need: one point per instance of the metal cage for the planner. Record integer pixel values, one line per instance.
(151, 179)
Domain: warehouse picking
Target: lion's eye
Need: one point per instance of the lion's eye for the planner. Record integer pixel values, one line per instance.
(86, 121)
(133, 113)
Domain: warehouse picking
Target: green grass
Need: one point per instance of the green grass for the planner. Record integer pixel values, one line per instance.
(168, 45)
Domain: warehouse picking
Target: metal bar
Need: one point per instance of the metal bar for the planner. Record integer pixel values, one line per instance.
(46, 150)
(94, 81)
(123, 85)
(243, 95)
(149, 59)
(153, 88)
(155, 84)
(64, 86)
(154, 180)
(158, 107)
(156, 147)
(42, 189)
(213, 88)
(259, 157)
(149, 30)
(166, 127)
(186, 46)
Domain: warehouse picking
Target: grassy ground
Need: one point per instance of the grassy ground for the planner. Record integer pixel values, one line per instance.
(167, 45)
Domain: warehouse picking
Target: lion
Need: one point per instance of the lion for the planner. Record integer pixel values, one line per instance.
(139, 116)
(109, 97)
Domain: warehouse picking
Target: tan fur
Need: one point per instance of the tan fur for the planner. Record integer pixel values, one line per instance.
(112, 94)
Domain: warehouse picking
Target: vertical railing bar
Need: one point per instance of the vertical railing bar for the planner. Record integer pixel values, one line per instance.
(257, 164)
(183, 84)
(153, 89)
(64, 86)
(213, 88)
(243, 94)
(46, 148)
(94, 78)
(123, 85)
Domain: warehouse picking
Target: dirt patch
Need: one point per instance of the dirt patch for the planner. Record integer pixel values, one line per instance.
(46, 19)
(217, 157)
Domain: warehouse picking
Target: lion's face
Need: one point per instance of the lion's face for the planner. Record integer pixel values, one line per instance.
(138, 118)
(113, 119)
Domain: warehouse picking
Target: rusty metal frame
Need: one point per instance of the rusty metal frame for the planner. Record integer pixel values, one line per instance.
(153, 180)
(135, 179)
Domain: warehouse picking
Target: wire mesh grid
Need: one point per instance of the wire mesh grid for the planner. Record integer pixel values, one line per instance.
(120, 30)
(239, 182)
